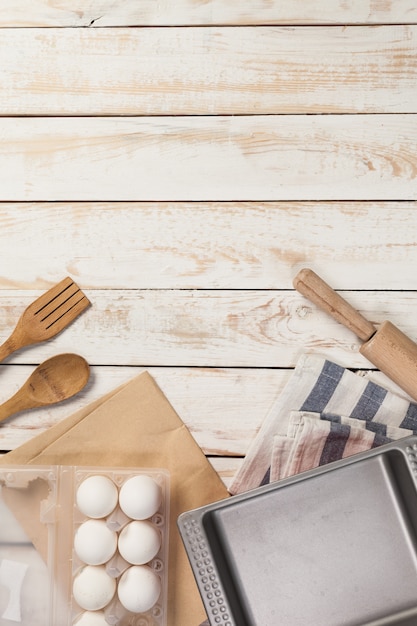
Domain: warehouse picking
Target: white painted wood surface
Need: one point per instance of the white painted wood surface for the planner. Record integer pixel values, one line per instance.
(211, 328)
(182, 176)
(208, 245)
(187, 71)
(97, 13)
(223, 407)
(294, 157)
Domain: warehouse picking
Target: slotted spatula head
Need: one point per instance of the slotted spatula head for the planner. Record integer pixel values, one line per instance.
(47, 316)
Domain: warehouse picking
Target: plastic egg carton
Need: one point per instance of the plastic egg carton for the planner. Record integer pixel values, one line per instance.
(83, 546)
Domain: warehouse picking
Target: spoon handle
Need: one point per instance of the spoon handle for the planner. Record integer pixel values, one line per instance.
(13, 405)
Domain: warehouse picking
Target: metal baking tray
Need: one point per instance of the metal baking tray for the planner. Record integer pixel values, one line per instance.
(334, 546)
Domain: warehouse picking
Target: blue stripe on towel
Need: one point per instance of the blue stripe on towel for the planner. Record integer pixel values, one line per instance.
(331, 417)
(378, 428)
(369, 402)
(410, 419)
(324, 388)
(335, 443)
(380, 440)
(267, 478)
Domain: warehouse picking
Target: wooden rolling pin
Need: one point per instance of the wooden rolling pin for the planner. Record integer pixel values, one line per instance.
(389, 349)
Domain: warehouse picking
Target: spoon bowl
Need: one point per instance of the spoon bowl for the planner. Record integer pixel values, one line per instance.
(54, 380)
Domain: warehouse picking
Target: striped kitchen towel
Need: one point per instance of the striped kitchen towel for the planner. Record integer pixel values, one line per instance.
(326, 412)
(317, 438)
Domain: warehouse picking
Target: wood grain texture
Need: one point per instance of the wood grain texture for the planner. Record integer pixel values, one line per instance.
(208, 245)
(183, 175)
(97, 13)
(194, 71)
(210, 328)
(223, 408)
(358, 157)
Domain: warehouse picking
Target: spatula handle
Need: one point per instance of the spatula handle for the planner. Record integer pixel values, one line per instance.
(310, 285)
(18, 339)
(6, 349)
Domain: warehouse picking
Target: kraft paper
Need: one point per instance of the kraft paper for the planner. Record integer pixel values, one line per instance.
(133, 426)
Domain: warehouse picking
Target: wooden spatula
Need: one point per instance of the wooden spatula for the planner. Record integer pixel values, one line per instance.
(46, 316)
(54, 380)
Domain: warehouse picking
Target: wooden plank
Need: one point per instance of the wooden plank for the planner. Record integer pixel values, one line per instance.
(213, 328)
(223, 408)
(226, 467)
(165, 12)
(219, 245)
(189, 71)
(331, 157)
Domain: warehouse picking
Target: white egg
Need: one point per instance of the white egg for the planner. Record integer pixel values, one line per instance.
(139, 542)
(139, 588)
(94, 542)
(140, 497)
(97, 496)
(92, 618)
(93, 588)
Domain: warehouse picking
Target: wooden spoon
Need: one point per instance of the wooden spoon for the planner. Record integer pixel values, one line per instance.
(54, 380)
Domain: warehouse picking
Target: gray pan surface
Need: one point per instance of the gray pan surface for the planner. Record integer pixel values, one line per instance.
(335, 546)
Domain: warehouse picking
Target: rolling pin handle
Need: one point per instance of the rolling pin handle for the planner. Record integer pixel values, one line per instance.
(310, 285)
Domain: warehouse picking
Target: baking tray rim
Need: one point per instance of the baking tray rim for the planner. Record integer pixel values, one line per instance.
(197, 543)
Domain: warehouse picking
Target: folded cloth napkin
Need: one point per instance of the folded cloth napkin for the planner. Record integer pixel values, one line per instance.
(326, 412)
(318, 438)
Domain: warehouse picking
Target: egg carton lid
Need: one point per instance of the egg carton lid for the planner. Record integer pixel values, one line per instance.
(25, 574)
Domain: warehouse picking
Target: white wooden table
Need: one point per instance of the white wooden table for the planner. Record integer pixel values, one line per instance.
(181, 176)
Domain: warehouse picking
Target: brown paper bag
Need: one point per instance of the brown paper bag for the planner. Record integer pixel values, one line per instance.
(134, 426)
